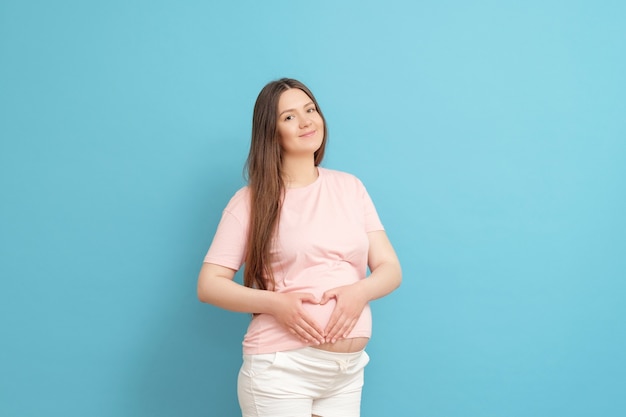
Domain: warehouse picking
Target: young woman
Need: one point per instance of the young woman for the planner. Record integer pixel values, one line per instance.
(306, 235)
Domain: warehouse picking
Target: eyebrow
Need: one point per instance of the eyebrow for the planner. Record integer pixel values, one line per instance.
(288, 110)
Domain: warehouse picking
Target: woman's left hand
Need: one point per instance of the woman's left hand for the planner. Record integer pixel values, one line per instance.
(351, 301)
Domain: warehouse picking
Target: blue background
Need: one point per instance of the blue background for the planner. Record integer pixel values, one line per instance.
(491, 136)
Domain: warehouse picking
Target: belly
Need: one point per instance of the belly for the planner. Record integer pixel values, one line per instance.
(321, 314)
(354, 344)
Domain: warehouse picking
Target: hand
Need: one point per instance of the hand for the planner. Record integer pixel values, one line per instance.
(350, 304)
(289, 313)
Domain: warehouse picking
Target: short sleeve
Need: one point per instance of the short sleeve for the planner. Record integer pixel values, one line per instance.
(229, 243)
(372, 221)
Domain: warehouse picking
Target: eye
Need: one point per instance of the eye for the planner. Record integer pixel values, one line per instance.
(311, 110)
(290, 117)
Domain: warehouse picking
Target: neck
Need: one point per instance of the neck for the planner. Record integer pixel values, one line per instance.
(299, 172)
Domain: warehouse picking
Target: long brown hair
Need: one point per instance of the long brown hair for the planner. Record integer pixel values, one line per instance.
(267, 188)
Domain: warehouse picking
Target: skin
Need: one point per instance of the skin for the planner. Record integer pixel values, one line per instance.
(301, 131)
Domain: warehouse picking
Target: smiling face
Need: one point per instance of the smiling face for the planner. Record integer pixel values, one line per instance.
(299, 126)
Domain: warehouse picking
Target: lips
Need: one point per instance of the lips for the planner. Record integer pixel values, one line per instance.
(308, 134)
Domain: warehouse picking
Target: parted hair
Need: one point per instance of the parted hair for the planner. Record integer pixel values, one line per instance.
(267, 187)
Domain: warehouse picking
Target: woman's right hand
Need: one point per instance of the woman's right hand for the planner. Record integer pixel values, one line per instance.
(216, 286)
(288, 311)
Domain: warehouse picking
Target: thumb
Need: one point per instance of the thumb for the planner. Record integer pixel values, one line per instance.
(328, 295)
(308, 298)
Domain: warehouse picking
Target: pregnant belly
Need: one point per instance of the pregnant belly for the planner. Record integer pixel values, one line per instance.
(349, 345)
(321, 314)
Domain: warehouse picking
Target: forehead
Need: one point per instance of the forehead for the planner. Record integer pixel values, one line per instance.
(292, 99)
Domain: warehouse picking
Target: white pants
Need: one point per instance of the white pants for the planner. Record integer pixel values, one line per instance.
(301, 382)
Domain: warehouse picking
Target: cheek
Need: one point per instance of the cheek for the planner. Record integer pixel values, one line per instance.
(283, 137)
(281, 141)
(284, 133)
(320, 121)
(280, 133)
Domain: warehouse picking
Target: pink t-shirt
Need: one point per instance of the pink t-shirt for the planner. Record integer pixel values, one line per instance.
(321, 244)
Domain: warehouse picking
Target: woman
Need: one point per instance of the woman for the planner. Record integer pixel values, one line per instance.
(306, 235)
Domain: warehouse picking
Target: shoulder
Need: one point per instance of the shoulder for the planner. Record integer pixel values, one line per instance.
(341, 178)
(239, 204)
(241, 196)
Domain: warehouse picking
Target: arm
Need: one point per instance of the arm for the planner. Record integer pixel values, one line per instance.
(216, 287)
(386, 276)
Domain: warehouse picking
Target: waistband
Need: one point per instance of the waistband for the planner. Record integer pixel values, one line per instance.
(327, 355)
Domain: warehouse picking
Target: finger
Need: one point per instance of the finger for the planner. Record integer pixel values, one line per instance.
(309, 298)
(335, 331)
(348, 329)
(330, 330)
(299, 333)
(327, 296)
(307, 333)
(342, 329)
(312, 329)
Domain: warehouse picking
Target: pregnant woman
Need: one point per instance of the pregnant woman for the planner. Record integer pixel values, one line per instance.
(306, 236)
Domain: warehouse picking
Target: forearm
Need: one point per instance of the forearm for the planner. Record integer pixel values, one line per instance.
(382, 281)
(221, 291)
(216, 286)
(383, 262)
(351, 299)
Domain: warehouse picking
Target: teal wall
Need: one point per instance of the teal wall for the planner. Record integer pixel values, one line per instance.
(491, 136)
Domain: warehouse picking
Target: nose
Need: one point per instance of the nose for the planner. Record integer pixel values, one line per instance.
(305, 121)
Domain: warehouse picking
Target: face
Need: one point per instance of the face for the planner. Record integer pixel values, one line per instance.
(300, 127)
